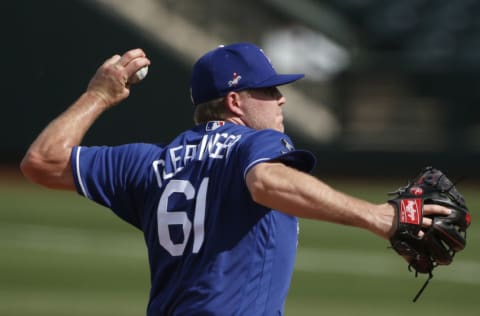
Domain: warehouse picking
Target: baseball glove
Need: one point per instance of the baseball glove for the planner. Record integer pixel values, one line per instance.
(437, 244)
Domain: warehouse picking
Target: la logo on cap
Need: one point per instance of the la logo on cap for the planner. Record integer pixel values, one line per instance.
(235, 80)
(234, 67)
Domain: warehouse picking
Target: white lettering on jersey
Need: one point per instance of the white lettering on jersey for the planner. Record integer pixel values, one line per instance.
(190, 151)
(175, 158)
(213, 146)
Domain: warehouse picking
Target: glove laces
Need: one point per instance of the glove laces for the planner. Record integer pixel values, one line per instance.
(430, 276)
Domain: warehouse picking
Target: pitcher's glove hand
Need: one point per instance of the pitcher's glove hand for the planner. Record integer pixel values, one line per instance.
(426, 248)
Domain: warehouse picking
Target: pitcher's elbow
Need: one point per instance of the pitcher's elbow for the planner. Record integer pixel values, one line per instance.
(39, 170)
(30, 166)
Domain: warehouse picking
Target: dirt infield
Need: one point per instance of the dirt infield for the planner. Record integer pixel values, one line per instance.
(11, 173)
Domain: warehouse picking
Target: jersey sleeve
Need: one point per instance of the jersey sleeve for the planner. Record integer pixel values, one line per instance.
(114, 177)
(270, 145)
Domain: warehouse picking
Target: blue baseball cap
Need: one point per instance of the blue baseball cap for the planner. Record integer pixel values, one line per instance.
(234, 67)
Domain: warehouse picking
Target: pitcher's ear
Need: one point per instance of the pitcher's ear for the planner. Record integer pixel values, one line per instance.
(233, 102)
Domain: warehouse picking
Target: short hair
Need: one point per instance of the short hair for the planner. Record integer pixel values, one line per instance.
(214, 110)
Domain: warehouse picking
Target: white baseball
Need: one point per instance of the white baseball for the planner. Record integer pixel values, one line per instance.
(139, 75)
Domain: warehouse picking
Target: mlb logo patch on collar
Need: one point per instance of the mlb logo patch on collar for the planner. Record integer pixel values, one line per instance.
(213, 125)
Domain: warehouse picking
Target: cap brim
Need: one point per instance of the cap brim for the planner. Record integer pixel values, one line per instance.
(279, 80)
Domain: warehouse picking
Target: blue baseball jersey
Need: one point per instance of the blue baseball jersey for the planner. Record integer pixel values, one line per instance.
(212, 250)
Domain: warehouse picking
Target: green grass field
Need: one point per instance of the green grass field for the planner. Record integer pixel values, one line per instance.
(64, 255)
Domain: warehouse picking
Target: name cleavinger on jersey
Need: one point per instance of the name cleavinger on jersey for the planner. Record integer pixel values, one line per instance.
(213, 146)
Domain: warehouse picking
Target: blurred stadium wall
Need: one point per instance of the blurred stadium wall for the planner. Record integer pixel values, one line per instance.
(390, 84)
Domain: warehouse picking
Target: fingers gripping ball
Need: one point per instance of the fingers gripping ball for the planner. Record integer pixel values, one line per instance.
(426, 248)
(139, 75)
